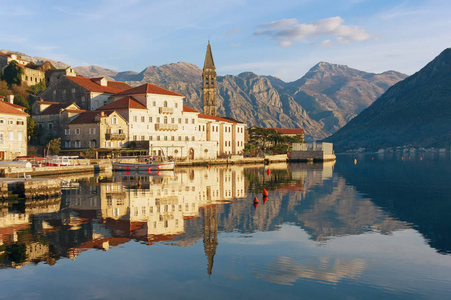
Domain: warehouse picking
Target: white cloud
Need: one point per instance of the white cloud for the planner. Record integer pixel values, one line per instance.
(287, 31)
(327, 43)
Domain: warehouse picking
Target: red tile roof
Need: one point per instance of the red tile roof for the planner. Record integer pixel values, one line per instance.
(215, 118)
(188, 109)
(90, 117)
(54, 109)
(46, 102)
(289, 130)
(126, 102)
(148, 88)
(8, 108)
(86, 117)
(113, 87)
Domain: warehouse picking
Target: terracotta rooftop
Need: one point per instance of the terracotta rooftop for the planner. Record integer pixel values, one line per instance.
(188, 109)
(14, 109)
(148, 88)
(113, 87)
(289, 130)
(215, 118)
(55, 108)
(126, 102)
(89, 117)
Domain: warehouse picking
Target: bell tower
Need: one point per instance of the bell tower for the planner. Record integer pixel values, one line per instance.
(209, 83)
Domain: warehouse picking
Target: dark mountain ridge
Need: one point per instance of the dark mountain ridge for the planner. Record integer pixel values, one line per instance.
(415, 111)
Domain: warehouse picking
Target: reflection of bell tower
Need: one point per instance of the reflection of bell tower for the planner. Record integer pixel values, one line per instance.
(209, 83)
(210, 235)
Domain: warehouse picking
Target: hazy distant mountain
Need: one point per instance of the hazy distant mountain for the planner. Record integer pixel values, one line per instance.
(415, 111)
(322, 101)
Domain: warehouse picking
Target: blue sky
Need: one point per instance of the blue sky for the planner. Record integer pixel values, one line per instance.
(280, 38)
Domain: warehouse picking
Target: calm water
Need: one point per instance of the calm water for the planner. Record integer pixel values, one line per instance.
(377, 228)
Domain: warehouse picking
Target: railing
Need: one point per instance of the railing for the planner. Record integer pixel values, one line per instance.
(115, 136)
(166, 110)
(166, 126)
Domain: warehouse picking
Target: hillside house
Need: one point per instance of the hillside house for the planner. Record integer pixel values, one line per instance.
(13, 129)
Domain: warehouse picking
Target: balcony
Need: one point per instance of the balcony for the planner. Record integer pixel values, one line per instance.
(166, 110)
(169, 127)
(115, 136)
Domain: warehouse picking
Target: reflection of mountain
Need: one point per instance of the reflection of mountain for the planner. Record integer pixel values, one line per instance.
(417, 192)
(287, 271)
(310, 197)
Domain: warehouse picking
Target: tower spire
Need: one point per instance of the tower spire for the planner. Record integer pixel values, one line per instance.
(209, 83)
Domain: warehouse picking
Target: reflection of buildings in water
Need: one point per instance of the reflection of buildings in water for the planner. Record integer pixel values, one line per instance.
(210, 235)
(17, 243)
(286, 271)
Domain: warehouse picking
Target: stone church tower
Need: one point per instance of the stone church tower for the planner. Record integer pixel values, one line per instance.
(209, 83)
(210, 235)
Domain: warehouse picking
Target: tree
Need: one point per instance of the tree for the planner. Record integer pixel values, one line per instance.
(12, 74)
(20, 100)
(54, 146)
(33, 131)
(37, 88)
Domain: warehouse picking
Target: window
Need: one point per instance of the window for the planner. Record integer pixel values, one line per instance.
(154, 103)
(158, 119)
(114, 120)
(150, 138)
(172, 120)
(77, 144)
(180, 120)
(158, 137)
(165, 120)
(2, 121)
(135, 137)
(2, 139)
(193, 121)
(93, 143)
(10, 122)
(165, 137)
(135, 119)
(172, 138)
(143, 119)
(143, 138)
(108, 144)
(67, 144)
(165, 103)
(73, 90)
(176, 105)
(77, 130)
(50, 126)
(119, 144)
(67, 131)
(192, 138)
(186, 121)
(150, 119)
(180, 138)
(120, 130)
(92, 131)
(186, 138)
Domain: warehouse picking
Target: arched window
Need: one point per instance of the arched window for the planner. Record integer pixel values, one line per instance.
(165, 120)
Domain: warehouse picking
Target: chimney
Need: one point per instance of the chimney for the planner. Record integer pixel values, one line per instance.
(102, 113)
(10, 98)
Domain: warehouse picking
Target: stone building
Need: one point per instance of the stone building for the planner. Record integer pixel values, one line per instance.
(87, 93)
(13, 129)
(96, 129)
(209, 87)
(52, 76)
(52, 118)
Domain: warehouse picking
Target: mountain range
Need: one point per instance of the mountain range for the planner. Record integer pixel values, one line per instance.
(414, 112)
(321, 102)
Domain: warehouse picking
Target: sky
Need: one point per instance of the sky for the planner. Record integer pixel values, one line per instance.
(283, 38)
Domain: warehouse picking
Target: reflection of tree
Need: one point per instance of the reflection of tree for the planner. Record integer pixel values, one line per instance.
(286, 271)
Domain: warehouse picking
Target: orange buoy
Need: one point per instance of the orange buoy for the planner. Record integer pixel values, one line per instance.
(139, 182)
(421, 158)
(268, 172)
(208, 166)
(255, 205)
(256, 199)
(265, 199)
(265, 192)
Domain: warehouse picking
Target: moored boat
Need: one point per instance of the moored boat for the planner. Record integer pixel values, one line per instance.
(143, 163)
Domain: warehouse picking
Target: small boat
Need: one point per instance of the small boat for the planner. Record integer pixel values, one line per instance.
(143, 163)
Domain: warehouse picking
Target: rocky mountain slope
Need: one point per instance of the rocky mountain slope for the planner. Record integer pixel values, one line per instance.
(321, 102)
(415, 111)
